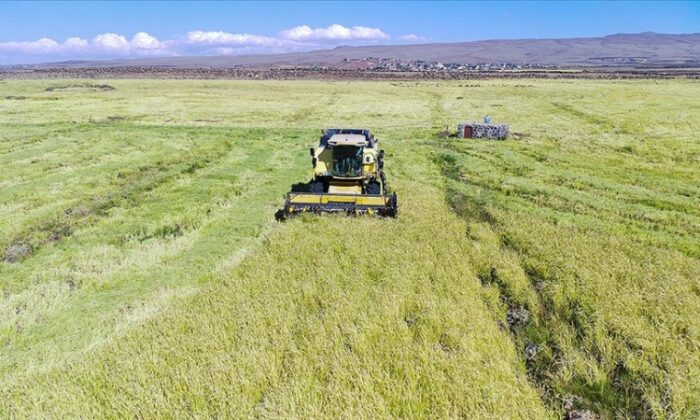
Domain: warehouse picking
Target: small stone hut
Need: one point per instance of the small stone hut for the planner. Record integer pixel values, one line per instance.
(475, 130)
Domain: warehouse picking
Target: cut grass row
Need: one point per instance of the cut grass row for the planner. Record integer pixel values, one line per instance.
(94, 176)
(588, 195)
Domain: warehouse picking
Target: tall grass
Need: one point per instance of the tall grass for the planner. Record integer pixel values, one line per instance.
(157, 282)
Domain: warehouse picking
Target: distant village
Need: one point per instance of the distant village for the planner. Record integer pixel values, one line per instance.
(393, 64)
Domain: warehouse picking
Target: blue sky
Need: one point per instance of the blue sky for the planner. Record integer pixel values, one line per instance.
(48, 31)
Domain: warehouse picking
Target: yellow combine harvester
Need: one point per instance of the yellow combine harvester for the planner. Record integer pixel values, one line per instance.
(348, 177)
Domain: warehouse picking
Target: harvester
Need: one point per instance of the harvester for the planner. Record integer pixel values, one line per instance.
(348, 177)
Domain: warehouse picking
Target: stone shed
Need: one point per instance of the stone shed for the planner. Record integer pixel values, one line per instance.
(475, 130)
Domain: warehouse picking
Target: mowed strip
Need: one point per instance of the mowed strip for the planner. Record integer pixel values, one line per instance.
(114, 273)
(332, 316)
(117, 166)
(587, 191)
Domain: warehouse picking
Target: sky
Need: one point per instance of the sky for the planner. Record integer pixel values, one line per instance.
(33, 32)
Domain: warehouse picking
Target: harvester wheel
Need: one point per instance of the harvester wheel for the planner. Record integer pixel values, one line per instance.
(373, 187)
(316, 187)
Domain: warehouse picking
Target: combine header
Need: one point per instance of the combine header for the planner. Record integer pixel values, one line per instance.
(348, 177)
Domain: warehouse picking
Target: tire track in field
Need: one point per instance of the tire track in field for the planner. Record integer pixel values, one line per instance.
(302, 113)
(74, 149)
(13, 146)
(437, 109)
(590, 118)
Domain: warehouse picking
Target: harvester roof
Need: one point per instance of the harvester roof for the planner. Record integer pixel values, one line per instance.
(347, 140)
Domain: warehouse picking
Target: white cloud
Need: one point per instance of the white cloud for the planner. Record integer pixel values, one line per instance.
(334, 32)
(111, 41)
(198, 42)
(43, 45)
(141, 42)
(76, 43)
(101, 46)
(144, 41)
(412, 38)
(226, 38)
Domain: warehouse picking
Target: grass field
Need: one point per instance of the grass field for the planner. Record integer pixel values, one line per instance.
(143, 273)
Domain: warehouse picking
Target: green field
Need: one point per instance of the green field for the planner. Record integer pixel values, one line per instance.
(143, 273)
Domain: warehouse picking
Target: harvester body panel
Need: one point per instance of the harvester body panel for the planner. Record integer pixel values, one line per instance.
(348, 177)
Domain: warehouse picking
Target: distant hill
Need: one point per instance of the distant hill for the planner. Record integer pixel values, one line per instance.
(646, 49)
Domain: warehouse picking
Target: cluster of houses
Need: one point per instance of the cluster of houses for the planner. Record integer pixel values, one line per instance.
(394, 64)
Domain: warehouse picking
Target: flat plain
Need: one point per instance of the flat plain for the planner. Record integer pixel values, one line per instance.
(143, 273)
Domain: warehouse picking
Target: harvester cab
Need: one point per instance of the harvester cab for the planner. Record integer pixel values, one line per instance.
(348, 177)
